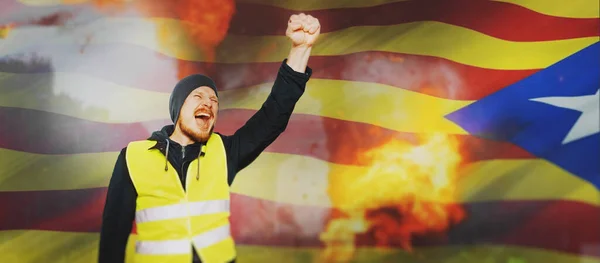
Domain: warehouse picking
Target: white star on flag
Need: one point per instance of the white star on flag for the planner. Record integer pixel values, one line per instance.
(588, 122)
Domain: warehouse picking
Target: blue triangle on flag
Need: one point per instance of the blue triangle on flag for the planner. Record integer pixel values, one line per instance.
(515, 114)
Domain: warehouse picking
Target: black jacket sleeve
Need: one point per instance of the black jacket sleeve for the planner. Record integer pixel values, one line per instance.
(246, 144)
(118, 214)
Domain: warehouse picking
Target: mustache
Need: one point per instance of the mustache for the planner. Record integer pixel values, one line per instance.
(203, 110)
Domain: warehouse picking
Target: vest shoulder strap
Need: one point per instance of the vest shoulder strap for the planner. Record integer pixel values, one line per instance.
(139, 156)
(142, 145)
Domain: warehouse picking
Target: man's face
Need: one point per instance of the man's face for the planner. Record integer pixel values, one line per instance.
(199, 114)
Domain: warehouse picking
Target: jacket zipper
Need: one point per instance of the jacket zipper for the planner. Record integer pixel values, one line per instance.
(187, 206)
(183, 173)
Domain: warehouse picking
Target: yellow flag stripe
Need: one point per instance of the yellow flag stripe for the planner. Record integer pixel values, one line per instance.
(30, 246)
(455, 43)
(307, 177)
(436, 39)
(388, 106)
(33, 246)
(82, 96)
(309, 5)
(303, 180)
(561, 8)
(32, 172)
(53, 2)
(377, 104)
(462, 253)
(295, 5)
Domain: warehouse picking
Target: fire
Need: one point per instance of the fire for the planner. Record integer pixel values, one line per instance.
(109, 3)
(405, 191)
(108, 6)
(204, 23)
(205, 29)
(5, 30)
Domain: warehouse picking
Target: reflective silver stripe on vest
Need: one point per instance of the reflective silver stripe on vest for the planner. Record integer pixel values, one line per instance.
(183, 246)
(212, 236)
(180, 210)
(168, 247)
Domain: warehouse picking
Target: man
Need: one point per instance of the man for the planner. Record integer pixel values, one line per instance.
(175, 184)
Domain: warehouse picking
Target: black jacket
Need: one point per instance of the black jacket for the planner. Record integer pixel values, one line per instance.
(242, 148)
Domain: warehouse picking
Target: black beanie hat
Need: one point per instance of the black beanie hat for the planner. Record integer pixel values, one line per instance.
(183, 88)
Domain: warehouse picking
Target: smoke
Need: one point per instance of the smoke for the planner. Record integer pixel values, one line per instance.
(293, 184)
(204, 23)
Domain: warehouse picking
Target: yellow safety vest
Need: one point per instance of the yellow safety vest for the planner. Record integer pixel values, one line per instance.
(169, 219)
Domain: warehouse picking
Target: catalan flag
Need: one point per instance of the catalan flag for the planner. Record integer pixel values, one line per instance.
(515, 83)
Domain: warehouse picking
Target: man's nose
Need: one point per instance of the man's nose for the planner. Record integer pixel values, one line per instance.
(206, 103)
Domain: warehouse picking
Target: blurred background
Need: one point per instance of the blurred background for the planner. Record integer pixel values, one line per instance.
(430, 131)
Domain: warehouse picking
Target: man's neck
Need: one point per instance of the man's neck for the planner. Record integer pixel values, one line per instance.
(181, 138)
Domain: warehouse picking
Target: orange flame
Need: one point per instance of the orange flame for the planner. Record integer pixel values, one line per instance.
(208, 20)
(203, 23)
(405, 191)
(5, 30)
(109, 3)
(107, 6)
(206, 24)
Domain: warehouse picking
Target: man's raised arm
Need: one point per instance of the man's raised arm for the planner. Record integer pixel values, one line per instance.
(303, 30)
(272, 118)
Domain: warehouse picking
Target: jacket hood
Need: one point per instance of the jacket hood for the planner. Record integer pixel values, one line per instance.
(163, 142)
(162, 134)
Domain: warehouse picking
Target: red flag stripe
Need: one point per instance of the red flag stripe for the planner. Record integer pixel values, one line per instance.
(428, 75)
(49, 133)
(524, 25)
(539, 224)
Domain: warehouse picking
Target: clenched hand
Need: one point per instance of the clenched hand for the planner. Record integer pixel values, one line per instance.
(303, 30)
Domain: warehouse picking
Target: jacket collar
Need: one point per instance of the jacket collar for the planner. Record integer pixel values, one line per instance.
(162, 136)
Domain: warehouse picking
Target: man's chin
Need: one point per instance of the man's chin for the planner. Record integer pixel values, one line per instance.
(199, 137)
(202, 135)
(198, 134)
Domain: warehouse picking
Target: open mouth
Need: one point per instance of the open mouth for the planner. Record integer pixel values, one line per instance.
(203, 116)
(203, 120)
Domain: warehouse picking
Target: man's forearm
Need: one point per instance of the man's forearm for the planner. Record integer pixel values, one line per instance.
(298, 58)
(272, 118)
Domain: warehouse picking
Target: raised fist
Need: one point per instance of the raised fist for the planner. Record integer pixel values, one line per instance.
(303, 30)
